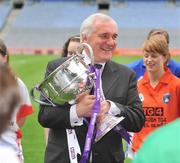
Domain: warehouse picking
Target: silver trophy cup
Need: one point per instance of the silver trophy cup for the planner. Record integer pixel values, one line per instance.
(64, 83)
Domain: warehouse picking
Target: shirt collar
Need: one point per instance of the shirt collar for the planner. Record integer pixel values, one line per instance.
(166, 78)
(87, 60)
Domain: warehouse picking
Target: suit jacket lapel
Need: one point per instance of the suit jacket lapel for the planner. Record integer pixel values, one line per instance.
(109, 76)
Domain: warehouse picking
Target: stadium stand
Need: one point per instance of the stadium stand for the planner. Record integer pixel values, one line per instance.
(47, 23)
(136, 19)
(5, 9)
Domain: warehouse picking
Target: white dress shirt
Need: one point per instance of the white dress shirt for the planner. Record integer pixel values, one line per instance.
(114, 110)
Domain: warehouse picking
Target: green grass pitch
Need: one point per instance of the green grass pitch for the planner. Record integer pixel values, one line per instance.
(31, 69)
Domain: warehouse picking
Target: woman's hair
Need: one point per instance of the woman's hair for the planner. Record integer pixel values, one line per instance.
(158, 32)
(75, 38)
(4, 50)
(9, 95)
(157, 44)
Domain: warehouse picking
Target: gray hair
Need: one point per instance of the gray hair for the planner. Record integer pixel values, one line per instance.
(87, 25)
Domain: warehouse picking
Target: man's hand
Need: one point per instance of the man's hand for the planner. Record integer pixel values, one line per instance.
(105, 106)
(84, 104)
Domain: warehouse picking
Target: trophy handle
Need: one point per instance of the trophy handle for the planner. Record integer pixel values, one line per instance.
(36, 88)
(81, 47)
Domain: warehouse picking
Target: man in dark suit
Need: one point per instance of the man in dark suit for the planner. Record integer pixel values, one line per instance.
(120, 99)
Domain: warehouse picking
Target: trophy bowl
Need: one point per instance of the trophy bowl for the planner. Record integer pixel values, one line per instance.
(65, 82)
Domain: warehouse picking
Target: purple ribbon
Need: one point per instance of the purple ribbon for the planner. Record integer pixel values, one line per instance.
(95, 110)
(123, 133)
(94, 113)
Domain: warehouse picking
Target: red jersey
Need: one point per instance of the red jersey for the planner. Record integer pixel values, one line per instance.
(161, 104)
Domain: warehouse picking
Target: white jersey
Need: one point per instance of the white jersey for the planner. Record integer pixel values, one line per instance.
(8, 155)
(12, 136)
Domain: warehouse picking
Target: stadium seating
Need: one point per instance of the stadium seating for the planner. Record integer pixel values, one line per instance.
(53, 15)
(48, 23)
(5, 9)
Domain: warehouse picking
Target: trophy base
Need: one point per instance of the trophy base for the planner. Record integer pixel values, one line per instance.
(106, 125)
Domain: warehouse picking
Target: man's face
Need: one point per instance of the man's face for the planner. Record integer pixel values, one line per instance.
(102, 40)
